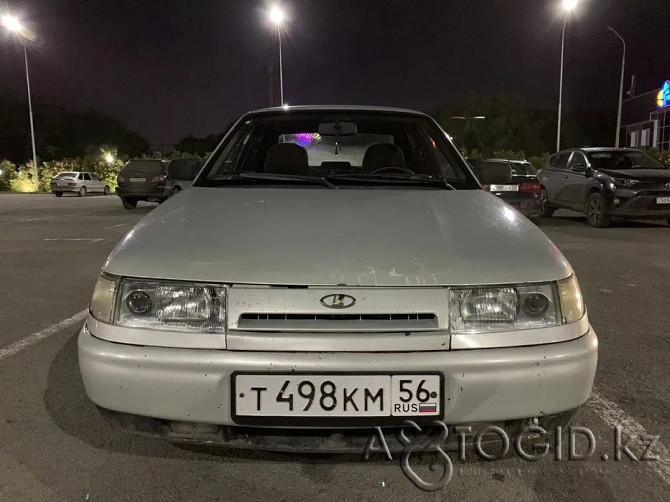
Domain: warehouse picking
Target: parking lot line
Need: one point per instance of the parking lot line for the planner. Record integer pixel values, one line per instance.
(74, 239)
(42, 218)
(33, 338)
(614, 416)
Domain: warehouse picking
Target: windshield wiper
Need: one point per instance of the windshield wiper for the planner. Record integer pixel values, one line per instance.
(393, 180)
(251, 176)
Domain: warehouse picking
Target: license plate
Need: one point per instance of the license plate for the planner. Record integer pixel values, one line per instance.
(337, 395)
(504, 188)
(662, 200)
(138, 180)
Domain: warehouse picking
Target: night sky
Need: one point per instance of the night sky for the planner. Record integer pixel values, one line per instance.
(169, 68)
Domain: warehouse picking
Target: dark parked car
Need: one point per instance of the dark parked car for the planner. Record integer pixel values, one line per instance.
(522, 188)
(154, 179)
(606, 183)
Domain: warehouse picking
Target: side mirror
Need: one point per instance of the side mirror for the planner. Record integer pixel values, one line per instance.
(494, 173)
(182, 169)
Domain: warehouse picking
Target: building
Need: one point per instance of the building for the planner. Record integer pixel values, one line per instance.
(647, 119)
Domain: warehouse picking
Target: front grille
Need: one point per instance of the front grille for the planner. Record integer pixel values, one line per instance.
(337, 317)
(343, 323)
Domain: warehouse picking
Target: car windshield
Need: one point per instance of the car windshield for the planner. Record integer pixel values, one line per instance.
(347, 148)
(66, 175)
(523, 168)
(623, 159)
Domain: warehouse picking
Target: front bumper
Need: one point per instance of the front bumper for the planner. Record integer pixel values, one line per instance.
(482, 385)
(638, 205)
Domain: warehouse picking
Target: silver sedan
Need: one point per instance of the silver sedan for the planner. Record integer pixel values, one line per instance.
(333, 270)
(81, 183)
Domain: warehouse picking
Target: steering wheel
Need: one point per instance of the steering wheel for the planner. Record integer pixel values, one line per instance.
(392, 168)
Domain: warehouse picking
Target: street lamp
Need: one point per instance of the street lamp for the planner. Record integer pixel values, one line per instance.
(623, 68)
(109, 158)
(568, 7)
(277, 17)
(14, 25)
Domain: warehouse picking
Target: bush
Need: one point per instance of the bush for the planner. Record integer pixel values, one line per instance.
(662, 155)
(7, 172)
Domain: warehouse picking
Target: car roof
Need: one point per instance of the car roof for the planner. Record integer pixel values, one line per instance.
(333, 108)
(598, 149)
(508, 160)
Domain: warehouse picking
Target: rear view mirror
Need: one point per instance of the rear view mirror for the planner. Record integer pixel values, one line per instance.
(184, 169)
(338, 129)
(493, 173)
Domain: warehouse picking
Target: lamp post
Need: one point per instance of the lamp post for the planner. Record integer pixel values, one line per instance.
(277, 18)
(623, 68)
(15, 26)
(568, 6)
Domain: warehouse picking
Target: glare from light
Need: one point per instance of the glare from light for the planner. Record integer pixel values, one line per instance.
(0, 172)
(12, 23)
(479, 117)
(109, 158)
(285, 106)
(509, 213)
(569, 4)
(276, 15)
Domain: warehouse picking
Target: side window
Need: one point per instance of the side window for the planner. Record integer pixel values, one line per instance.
(578, 159)
(228, 159)
(87, 177)
(80, 176)
(561, 160)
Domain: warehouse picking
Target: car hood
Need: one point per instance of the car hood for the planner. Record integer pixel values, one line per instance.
(660, 175)
(306, 236)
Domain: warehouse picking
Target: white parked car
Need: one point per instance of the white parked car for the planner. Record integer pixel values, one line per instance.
(81, 183)
(333, 269)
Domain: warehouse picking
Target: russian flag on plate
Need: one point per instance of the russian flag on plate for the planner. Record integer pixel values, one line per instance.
(427, 407)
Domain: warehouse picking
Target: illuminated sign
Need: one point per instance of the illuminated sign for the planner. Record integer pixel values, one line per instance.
(663, 98)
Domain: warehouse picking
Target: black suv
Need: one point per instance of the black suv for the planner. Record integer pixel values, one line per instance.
(604, 183)
(154, 179)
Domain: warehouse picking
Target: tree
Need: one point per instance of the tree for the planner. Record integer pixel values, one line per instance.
(59, 132)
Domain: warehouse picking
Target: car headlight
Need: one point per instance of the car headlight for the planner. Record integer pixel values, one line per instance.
(625, 182)
(572, 304)
(510, 308)
(102, 303)
(160, 305)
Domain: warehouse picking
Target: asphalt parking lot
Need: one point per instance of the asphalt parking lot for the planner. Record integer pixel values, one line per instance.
(55, 446)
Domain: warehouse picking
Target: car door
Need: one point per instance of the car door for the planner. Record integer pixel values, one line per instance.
(87, 182)
(551, 176)
(96, 183)
(577, 182)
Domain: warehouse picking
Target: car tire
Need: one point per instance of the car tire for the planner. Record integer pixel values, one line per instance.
(546, 211)
(106, 190)
(82, 192)
(58, 194)
(129, 203)
(595, 211)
